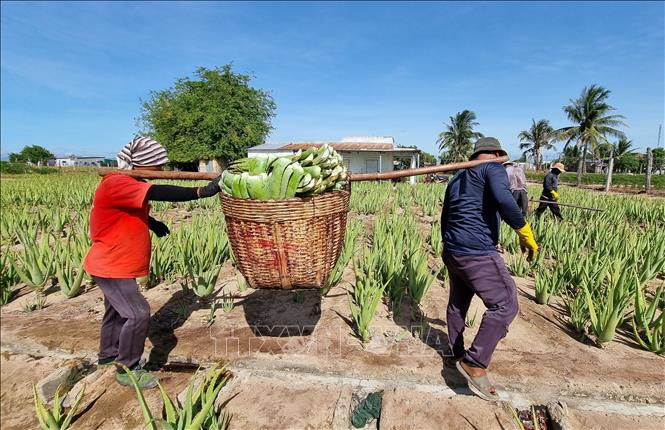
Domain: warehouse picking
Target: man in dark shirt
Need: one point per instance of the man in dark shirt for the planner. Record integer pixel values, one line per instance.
(551, 192)
(475, 202)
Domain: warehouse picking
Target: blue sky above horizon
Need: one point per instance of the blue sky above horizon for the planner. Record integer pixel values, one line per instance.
(73, 74)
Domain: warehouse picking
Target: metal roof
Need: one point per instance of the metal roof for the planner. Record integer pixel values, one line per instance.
(266, 147)
(343, 146)
(347, 144)
(368, 139)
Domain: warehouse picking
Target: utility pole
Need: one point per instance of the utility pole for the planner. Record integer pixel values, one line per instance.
(649, 165)
(660, 130)
(610, 167)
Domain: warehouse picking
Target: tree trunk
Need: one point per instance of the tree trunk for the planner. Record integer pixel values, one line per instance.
(580, 163)
(536, 155)
(584, 154)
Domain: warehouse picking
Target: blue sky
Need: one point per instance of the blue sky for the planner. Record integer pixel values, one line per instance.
(73, 73)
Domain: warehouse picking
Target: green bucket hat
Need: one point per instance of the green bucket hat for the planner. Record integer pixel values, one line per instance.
(487, 144)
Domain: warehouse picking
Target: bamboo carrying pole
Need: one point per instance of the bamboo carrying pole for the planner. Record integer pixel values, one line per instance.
(194, 176)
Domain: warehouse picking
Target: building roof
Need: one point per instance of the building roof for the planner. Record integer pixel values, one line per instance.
(346, 144)
(267, 147)
(368, 139)
(78, 157)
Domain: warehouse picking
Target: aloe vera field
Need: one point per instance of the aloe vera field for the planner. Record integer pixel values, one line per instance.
(587, 345)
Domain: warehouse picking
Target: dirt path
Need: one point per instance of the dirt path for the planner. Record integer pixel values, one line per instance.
(280, 349)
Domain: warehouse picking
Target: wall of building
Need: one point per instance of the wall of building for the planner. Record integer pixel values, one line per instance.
(214, 165)
(251, 154)
(367, 162)
(69, 162)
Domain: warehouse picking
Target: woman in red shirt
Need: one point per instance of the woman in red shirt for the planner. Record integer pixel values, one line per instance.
(120, 252)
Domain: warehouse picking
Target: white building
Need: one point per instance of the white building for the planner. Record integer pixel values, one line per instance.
(76, 161)
(361, 154)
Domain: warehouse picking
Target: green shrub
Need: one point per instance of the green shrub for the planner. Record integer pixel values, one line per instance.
(618, 179)
(22, 168)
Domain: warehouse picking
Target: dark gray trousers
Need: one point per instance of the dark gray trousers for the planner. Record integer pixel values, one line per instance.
(486, 276)
(126, 321)
(542, 207)
(522, 199)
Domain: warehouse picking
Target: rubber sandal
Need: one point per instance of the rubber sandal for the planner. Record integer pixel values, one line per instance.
(480, 385)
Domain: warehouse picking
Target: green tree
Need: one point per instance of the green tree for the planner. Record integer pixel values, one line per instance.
(15, 157)
(456, 141)
(570, 155)
(217, 114)
(537, 139)
(625, 158)
(426, 159)
(590, 113)
(659, 159)
(34, 154)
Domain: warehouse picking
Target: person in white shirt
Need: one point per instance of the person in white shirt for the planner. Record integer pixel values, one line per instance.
(517, 181)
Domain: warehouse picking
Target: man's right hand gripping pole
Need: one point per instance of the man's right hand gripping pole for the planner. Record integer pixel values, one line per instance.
(527, 241)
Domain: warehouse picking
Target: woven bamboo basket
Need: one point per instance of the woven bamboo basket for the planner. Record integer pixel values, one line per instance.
(287, 244)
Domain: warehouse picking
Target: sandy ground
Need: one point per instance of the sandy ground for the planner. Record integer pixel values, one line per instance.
(298, 366)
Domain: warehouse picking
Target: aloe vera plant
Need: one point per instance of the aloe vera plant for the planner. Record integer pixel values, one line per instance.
(578, 314)
(367, 293)
(648, 324)
(435, 240)
(70, 278)
(35, 263)
(550, 281)
(198, 409)
(305, 173)
(419, 275)
(203, 283)
(350, 236)
(8, 277)
(518, 266)
(55, 419)
(608, 292)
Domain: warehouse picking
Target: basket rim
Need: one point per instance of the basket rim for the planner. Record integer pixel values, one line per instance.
(289, 200)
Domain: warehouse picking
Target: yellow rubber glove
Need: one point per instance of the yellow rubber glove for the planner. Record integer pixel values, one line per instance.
(555, 195)
(527, 241)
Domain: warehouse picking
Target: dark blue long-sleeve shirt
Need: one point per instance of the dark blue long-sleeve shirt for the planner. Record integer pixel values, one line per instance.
(550, 183)
(476, 200)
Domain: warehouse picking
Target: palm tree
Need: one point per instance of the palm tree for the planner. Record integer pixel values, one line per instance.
(593, 123)
(570, 155)
(623, 146)
(458, 137)
(537, 139)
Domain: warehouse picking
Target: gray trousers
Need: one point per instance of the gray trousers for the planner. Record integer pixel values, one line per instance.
(487, 277)
(126, 321)
(522, 199)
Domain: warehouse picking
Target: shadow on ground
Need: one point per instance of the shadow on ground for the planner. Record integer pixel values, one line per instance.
(163, 324)
(282, 313)
(424, 328)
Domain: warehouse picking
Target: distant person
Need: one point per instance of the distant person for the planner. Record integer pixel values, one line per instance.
(517, 181)
(551, 192)
(476, 200)
(120, 252)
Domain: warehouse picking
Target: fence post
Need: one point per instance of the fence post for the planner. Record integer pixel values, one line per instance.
(610, 167)
(649, 166)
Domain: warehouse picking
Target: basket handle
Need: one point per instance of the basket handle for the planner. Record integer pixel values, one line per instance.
(354, 177)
